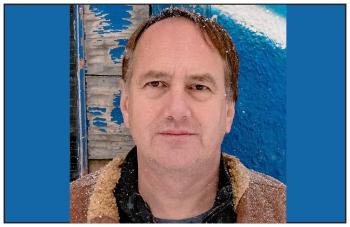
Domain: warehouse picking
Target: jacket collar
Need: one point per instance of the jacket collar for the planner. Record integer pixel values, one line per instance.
(103, 203)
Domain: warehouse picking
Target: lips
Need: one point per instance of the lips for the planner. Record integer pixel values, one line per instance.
(177, 133)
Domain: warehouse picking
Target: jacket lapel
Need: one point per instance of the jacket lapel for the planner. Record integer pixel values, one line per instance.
(240, 177)
(102, 203)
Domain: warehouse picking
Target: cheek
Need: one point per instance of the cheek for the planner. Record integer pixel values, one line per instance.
(213, 121)
(142, 115)
(138, 113)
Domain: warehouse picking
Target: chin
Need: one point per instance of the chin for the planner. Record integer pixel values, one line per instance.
(176, 158)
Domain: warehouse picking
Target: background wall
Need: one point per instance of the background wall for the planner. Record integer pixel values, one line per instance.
(258, 136)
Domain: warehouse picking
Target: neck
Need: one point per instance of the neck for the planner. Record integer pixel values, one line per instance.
(179, 194)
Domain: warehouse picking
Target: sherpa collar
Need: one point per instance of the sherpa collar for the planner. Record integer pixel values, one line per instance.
(103, 203)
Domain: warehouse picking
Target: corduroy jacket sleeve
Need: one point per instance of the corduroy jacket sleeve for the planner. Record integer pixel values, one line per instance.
(263, 202)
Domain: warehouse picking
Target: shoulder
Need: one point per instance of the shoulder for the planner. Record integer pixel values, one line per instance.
(90, 192)
(259, 197)
(270, 191)
(268, 195)
(80, 192)
(263, 180)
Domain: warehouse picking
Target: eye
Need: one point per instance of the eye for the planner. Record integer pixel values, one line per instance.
(199, 87)
(155, 84)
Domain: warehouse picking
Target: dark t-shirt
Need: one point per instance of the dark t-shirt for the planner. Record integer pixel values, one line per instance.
(196, 219)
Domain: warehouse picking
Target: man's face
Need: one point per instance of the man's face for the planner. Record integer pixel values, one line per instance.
(175, 104)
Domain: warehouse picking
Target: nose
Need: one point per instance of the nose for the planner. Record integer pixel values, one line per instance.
(177, 106)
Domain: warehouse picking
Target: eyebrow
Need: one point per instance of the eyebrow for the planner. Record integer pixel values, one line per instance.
(207, 77)
(153, 75)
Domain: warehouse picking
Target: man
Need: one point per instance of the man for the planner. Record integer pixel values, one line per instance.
(178, 95)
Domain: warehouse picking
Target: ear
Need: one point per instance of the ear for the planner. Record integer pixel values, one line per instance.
(230, 114)
(124, 102)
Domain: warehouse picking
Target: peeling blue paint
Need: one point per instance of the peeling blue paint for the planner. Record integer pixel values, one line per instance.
(116, 54)
(95, 113)
(122, 42)
(94, 110)
(98, 111)
(99, 123)
(117, 17)
(101, 32)
(115, 14)
(103, 130)
(99, 119)
(116, 114)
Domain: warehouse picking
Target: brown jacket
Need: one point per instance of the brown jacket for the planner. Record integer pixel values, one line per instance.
(257, 198)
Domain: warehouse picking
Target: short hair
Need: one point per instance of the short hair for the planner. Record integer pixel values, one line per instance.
(218, 36)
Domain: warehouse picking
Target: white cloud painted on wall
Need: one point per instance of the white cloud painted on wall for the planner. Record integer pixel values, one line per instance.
(259, 20)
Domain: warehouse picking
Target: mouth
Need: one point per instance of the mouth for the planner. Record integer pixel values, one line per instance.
(177, 133)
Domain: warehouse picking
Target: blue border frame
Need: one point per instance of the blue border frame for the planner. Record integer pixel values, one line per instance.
(36, 134)
(36, 103)
(316, 116)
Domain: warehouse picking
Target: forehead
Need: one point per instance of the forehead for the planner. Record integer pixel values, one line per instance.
(174, 28)
(176, 42)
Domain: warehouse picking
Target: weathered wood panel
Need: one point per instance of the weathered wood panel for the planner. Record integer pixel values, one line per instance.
(107, 135)
(107, 29)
